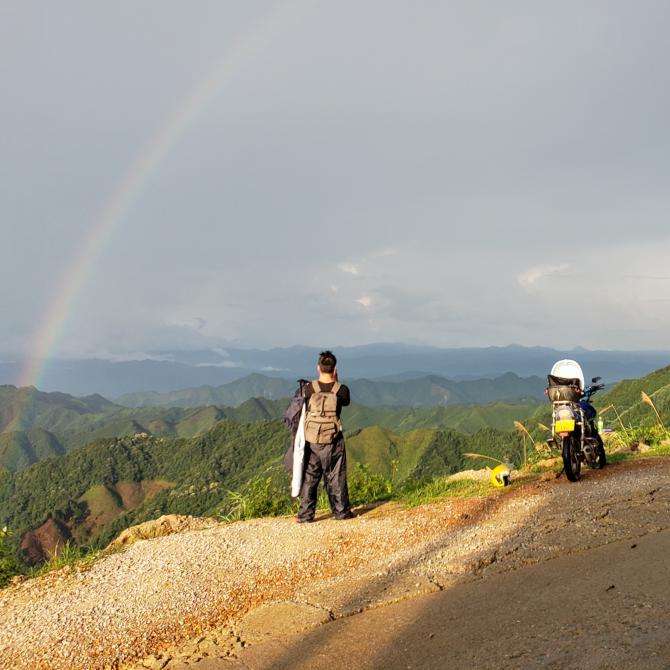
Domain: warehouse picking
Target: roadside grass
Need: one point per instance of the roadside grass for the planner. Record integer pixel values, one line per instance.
(440, 488)
(622, 457)
(268, 497)
(550, 465)
(262, 496)
(656, 436)
(662, 449)
(70, 554)
(628, 444)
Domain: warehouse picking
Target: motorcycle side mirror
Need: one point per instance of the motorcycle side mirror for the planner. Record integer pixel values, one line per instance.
(595, 380)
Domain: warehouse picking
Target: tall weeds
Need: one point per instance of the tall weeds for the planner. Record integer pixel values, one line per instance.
(648, 401)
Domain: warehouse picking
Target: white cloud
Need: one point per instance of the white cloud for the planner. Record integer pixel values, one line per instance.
(535, 275)
(385, 253)
(196, 322)
(349, 268)
(129, 357)
(365, 301)
(223, 364)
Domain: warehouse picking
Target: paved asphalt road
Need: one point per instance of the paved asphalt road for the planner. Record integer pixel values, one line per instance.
(605, 608)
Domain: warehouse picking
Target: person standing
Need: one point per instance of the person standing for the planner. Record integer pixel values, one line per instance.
(325, 453)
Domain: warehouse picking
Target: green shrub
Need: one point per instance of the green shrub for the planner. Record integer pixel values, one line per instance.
(418, 493)
(654, 436)
(9, 565)
(367, 487)
(262, 496)
(322, 502)
(68, 554)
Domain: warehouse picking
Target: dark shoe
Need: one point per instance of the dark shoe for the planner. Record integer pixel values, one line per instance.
(299, 520)
(344, 517)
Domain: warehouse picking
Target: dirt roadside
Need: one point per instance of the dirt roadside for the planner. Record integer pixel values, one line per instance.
(229, 592)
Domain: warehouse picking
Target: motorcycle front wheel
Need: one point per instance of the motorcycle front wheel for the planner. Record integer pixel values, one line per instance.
(571, 462)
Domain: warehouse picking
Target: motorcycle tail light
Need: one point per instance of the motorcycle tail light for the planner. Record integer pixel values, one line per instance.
(563, 414)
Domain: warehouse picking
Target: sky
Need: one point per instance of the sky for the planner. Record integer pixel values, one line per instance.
(446, 173)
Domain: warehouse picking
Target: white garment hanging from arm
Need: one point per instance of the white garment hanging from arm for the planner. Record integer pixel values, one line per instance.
(298, 455)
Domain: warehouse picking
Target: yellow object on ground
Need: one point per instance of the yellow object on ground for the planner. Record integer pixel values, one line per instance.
(500, 475)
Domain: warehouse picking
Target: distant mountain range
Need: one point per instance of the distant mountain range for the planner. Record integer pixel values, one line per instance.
(168, 371)
(233, 393)
(35, 425)
(426, 391)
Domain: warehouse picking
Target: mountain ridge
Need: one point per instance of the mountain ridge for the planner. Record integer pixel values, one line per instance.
(425, 391)
(167, 371)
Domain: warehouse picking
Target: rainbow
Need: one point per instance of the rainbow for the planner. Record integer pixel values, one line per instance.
(146, 163)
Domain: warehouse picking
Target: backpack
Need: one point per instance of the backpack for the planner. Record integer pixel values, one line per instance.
(321, 422)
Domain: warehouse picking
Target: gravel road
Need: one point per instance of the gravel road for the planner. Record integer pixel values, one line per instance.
(172, 600)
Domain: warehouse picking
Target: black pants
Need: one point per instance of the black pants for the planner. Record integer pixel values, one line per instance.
(329, 461)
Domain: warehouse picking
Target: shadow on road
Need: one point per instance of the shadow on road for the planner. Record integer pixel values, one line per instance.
(593, 608)
(308, 650)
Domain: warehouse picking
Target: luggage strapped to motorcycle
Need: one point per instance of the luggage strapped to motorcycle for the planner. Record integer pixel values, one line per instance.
(561, 389)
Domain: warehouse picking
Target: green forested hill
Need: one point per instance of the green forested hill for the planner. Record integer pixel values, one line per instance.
(195, 474)
(176, 460)
(24, 408)
(19, 448)
(626, 397)
(36, 425)
(231, 394)
(426, 453)
(463, 418)
(53, 424)
(627, 392)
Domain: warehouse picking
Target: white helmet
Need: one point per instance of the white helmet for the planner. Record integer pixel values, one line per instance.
(568, 369)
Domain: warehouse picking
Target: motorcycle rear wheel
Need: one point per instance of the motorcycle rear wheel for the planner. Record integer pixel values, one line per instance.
(571, 462)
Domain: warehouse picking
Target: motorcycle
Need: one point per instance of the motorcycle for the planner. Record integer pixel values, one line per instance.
(573, 425)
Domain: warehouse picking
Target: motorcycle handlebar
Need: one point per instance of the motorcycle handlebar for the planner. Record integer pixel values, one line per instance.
(592, 389)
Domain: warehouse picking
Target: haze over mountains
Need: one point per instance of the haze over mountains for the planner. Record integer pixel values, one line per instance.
(425, 391)
(168, 371)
